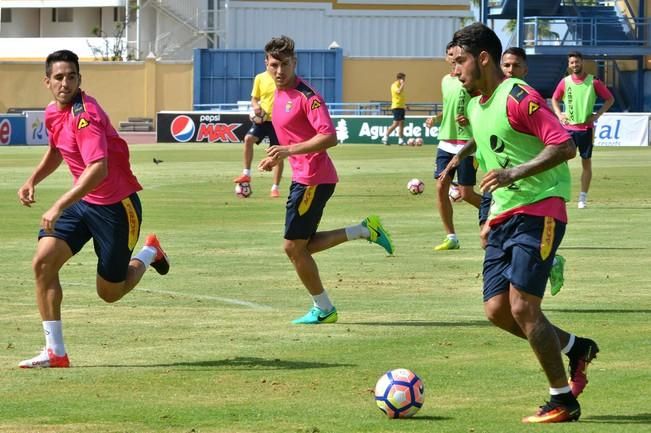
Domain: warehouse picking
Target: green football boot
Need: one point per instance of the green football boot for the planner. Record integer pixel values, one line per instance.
(378, 234)
(556, 278)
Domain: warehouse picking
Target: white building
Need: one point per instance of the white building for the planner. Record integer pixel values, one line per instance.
(171, 29)
(31, 29)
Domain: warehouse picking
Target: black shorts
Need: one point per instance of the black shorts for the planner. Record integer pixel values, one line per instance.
(304, 210)
(398, 113)
(262, 130)
(584, 142)
(466, 171)
(114, 229)
(520, 252)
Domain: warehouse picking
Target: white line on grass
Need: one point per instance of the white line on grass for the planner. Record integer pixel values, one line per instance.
(232, 301)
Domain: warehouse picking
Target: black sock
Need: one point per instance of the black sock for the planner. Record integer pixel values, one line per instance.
(578, 348)
(564, 399)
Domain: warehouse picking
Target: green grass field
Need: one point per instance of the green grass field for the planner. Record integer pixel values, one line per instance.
(210, 347)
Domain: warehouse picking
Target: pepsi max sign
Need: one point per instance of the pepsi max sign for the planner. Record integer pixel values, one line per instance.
(210, 127)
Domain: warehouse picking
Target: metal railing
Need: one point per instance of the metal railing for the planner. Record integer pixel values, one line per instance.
(585, 31)
(373, 108)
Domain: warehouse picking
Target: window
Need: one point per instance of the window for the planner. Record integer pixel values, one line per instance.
(119, 15)
(5, 15)
(62, 15)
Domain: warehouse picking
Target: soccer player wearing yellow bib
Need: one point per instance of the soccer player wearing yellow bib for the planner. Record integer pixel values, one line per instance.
(523, 150)
(578, 92)
(398, 107)
(262, 101)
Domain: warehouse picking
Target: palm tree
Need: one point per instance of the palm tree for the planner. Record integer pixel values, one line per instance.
(544, 32)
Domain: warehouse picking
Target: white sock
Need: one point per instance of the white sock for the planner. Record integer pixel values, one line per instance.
(358, 231)
(274, 187)
(559, 391)
(146, 255)
(570, 343)
(453, 237)
(322, 301)
(583, 196)
(54, 337)
(246, 172)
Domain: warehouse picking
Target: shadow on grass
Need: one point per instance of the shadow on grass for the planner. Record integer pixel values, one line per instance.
(241, 363)
(598, 310)
(470, 323)
(640, 418)
(426, 418)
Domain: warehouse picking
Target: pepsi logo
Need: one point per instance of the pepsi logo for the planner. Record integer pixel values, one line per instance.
(182, 128)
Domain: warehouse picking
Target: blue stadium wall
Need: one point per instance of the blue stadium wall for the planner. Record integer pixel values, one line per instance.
(223, 76)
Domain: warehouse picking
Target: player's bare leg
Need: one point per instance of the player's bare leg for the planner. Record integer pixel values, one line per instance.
(586, 179)
(469, 195)
(446, 213)
(323, 311)
(249, 141)
(324, 240)
(278, 175)
(151, 254)
(51, 254)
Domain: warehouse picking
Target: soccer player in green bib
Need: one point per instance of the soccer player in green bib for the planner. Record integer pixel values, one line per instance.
(578, 92)
(523, 150)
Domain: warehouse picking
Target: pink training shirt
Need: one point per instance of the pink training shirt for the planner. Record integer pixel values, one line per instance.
(599, 87)
(83, 134)
(299, 114)
(532, 116)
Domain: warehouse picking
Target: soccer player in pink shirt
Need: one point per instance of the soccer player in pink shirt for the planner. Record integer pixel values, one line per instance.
(101, 205)
(305, 132)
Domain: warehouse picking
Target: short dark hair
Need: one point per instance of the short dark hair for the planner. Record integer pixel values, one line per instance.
(280, 48)
(476, 38)
(516, 51)
(575, 54)
(400, 75)
(60, 56)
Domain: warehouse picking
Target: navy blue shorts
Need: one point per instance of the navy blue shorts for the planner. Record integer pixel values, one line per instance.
(398, 113)
(521, 251)
(305, 208)
(583, 141)
(114, 229)
(485, 207)
(466, 171)
(262, 130)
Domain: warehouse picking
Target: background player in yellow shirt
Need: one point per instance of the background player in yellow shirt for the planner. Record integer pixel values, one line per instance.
(398, 106)
(262, 100)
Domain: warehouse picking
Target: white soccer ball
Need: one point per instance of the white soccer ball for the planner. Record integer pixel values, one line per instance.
(418, 142)
(411, 142)
(416, 186)
(454, 193)
(243, 190)
(399, 393)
